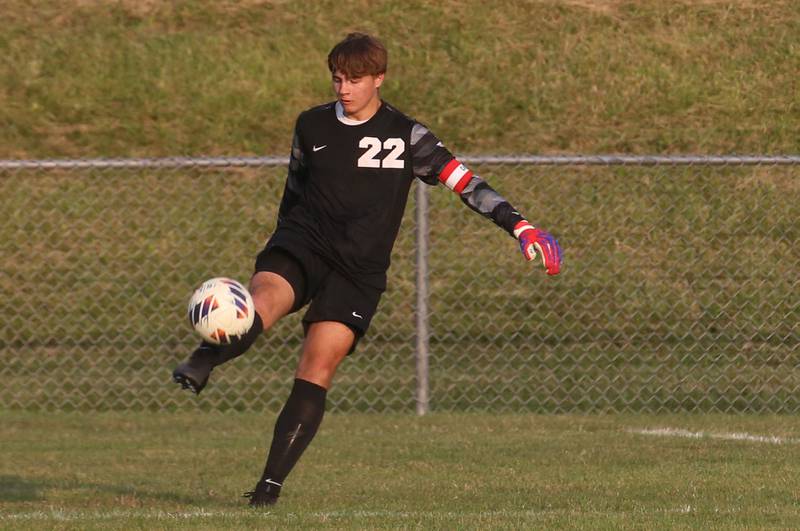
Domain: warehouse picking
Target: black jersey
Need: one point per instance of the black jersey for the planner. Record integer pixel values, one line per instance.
(348, 184)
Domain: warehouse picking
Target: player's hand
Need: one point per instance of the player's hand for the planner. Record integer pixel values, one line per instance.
(535, 241)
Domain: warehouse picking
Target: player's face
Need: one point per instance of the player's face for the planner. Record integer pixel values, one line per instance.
(359, 96)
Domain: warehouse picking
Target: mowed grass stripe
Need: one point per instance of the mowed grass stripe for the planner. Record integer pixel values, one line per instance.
(270, 516)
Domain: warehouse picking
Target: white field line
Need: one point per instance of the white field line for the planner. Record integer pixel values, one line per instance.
(61, 515)
(725, 436)
(77, 516)
(72, 516)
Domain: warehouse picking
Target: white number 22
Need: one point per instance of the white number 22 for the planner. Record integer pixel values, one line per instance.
(373, 145)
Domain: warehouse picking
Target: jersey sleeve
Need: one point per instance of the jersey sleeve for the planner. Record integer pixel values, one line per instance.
(433, 163)
(296, 177)
(428, 154)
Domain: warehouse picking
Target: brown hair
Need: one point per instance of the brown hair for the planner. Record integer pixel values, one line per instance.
(358, 55)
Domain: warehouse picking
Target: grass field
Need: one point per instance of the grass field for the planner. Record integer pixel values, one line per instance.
(677, 295)
(465, 471)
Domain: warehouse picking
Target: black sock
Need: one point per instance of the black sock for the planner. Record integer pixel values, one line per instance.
(296, 426)
(238, 346)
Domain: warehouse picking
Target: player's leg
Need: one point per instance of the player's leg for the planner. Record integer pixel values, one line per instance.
(274, 285)
(273, 297)
(338, 317)
(326, 344)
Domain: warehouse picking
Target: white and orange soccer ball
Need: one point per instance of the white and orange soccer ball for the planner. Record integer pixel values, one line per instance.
(221, 310)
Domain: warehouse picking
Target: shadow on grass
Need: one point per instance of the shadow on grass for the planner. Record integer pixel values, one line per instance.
(15, 488)
(18, 489)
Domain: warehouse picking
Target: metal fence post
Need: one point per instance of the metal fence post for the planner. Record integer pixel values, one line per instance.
(422, 298)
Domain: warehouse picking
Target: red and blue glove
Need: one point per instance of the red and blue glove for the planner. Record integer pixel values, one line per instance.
(533, 241)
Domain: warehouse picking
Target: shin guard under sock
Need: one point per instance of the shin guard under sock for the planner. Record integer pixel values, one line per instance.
(296, 426)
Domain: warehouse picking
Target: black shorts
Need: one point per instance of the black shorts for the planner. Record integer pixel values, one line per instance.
(332, 296)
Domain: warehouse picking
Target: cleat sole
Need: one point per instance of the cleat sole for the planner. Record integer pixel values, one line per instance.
(186, 383)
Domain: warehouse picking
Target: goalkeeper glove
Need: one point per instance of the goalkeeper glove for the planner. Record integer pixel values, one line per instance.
(533, 240)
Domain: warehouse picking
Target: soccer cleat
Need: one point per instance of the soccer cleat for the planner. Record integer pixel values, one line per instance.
(193, 373)
(265, 494)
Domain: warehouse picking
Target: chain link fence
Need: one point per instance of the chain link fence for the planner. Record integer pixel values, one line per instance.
(679, 290)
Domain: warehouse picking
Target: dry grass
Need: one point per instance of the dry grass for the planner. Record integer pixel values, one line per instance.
(199, 77)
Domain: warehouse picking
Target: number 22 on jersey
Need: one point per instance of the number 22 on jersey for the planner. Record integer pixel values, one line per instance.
(373, 145)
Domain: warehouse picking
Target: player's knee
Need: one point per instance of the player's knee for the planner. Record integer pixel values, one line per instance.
(326, 345)
(262, 304)
(321, 375)
(273, 297)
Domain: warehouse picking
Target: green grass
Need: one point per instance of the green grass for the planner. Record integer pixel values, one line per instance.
(187, 470)
(673, 296)
(199, 77)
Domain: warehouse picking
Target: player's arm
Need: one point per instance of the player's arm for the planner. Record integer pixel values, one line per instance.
(434, 163)
(483, 199)
(295, 178)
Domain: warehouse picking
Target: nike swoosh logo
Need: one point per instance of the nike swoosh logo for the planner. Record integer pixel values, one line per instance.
(316, 148)
(356, 315)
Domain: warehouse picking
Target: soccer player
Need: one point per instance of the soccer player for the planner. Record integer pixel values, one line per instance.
(351, 167)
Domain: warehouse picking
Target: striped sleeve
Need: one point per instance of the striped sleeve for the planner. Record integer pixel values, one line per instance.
(428, 155)
(433, 164)
(483, 199)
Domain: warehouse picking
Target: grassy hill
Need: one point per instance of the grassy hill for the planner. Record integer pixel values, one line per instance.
(194, 77)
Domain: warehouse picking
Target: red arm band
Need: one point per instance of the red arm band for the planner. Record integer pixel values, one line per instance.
(455, 176)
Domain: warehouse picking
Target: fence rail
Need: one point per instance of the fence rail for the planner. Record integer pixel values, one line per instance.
(534, 160)
(680, 289)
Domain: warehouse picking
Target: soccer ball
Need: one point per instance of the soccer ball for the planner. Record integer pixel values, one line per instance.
(221, 310)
